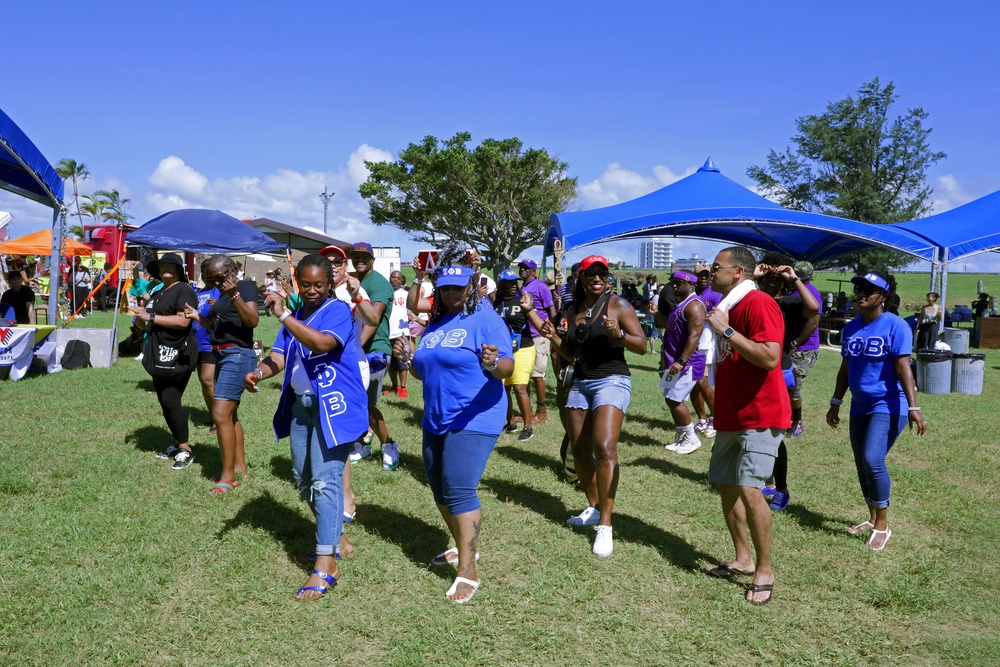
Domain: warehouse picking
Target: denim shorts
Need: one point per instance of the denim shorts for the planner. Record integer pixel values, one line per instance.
(231, 365)
(613, 390)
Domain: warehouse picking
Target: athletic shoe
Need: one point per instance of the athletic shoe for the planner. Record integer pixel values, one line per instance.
(390, 455)
(368, 437)
(678, 439)
(799, 428)
(701, 426)
(710, 429)
(183, 459)
(510, 428)
(603, 544)
(402, 393)
(361, 452)
(780, 500)
(688, 442)
(588, 517)
(386, 392)
(525, 434)
(169, 453)
(768, 491)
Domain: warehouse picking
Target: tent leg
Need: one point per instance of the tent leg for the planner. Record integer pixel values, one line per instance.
(944, 289)
(55, 264)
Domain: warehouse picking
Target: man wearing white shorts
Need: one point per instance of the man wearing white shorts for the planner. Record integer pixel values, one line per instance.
(685, 364)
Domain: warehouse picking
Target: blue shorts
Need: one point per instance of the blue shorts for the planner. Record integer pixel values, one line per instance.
(454, 463)
(613, 390)
(231, 365)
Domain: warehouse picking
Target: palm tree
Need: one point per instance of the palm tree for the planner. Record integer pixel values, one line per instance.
(116, 206)
(76, 172)
(95, 207)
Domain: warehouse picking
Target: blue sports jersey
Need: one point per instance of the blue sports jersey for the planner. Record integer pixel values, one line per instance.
(204, 294)
(458, 394)
(335, 376)
(871, 350)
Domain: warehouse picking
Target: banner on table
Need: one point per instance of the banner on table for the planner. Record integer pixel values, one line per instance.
(16, 344)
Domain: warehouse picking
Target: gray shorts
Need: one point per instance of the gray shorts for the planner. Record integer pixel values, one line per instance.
(744, 458)
(801, 363)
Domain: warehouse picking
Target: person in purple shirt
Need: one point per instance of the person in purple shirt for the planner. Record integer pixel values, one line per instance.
(803, 344)
(546, 309)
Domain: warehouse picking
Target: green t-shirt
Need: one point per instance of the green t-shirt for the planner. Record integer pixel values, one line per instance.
(379, 291)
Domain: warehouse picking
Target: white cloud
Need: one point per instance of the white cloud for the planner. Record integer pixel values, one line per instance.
(618, 184)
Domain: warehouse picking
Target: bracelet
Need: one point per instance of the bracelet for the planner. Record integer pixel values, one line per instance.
(683, 362)
(623, 336)
(418, 281)
(916, 409)
(260, 374)
(235, 297)
(284, 316)
(496, 365)
(357, 299)
(836, 401)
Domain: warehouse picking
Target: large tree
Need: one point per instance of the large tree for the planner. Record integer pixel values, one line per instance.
(496, 197)
(854, 161)
(69, 169)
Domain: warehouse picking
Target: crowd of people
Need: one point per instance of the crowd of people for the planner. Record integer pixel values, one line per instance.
(737, 339)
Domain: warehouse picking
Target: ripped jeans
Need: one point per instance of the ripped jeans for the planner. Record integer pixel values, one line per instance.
(317, 470)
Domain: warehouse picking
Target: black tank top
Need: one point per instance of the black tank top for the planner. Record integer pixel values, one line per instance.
(600, 354)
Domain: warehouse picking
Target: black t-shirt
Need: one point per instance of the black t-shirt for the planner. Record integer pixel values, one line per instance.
(791, 309)
(667, 301)
(516, 319)
(19, 300)
(228, 327)
(599, 354)
(171, 301)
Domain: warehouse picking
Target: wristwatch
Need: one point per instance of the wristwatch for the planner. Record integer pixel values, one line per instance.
(152, 318)
(729, 332)
(793, 344)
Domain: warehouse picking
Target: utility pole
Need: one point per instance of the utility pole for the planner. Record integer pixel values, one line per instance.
(326, 197)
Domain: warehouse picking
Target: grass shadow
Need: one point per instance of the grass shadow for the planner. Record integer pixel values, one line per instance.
(665, 421)
(668, 468)
(295, 533)
(414, 413)
(150, 438)
(627, 528)
(281, 467)
(639, 439)
(414, 466)
(816, 521)
(200, 416)
(418, 540)
(531, 458)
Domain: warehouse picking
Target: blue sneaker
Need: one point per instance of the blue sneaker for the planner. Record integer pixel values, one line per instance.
(768, 491)
(779, 500)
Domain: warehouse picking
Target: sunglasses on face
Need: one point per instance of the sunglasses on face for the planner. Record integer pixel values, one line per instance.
(220, 278)
(867, 289)
(718, 267)
(599, 273)
(338, 261)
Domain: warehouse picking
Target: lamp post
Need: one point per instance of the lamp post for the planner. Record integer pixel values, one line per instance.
(326, 197)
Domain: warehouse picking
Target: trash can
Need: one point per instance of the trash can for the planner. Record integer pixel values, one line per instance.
(934, 371)
(967, 373)
(957, 339)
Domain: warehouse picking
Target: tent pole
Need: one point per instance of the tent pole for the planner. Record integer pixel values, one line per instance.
(55, 264)
(944, 289)
(934, 270)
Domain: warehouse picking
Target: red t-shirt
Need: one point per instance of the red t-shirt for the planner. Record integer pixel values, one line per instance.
(747, 396)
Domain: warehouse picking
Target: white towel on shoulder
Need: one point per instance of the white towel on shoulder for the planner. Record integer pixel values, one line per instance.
(723, 349)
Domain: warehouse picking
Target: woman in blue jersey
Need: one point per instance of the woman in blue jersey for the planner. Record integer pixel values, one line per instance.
(462, 360)
(207, 296)
(323, 406)
(876, 366)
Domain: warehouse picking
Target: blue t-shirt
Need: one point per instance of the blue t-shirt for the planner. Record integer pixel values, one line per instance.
(458, 394)
(335, 376)
(204, 294)
(871, 350)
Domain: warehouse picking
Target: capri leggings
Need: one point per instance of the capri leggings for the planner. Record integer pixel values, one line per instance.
(455, 463)
(169, 391)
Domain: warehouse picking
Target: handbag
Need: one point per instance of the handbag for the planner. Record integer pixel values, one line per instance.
(164, 360)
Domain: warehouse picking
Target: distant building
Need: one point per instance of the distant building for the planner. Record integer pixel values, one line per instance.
(655, 253)
(387, 259)
(688, 264)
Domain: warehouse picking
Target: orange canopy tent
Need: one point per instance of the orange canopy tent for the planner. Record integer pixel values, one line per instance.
(40, 243)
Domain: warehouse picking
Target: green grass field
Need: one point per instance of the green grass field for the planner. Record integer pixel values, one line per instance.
(107, 556)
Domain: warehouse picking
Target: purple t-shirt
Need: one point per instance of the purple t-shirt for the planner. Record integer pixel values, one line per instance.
(540, 292)
(709, 298)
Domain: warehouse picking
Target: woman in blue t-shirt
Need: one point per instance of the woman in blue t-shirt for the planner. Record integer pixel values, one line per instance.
(207, 296)
(876, 366)
(462, 360)
(323, 407)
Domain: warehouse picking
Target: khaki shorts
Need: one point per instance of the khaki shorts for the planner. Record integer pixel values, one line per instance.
(542, 345)
(744, 458)
(801, 363)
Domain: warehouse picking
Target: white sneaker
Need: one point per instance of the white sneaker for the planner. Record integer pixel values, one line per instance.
(390, 455)
(676, 443)
(361, 452)
(709, 431)
(603, 544)
(588, 517)
(701, 426)
(688, 443)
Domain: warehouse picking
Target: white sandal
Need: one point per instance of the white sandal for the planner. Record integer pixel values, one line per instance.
(442, 558)
(887, 532)
(454, 587)
(862, 527)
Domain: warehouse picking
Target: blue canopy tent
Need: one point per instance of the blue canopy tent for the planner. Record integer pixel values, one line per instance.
(202, 230)
(709, 206)
(25, 172)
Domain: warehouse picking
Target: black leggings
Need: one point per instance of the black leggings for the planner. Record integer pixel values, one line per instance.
(781, 468)
(169, 391)
(926, 336)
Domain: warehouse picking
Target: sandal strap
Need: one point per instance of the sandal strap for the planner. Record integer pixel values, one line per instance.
(761, 588)
(328, 578)
(322, 589)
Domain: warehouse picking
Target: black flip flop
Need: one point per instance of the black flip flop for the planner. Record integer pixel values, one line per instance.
(761, 588)
(726, 571)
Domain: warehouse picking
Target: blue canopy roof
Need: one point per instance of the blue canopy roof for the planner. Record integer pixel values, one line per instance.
(710, 206)
(23, 168)
(202, 230)
(967, 230)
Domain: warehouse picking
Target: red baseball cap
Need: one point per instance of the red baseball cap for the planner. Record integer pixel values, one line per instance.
(333, 250)
(588, 262)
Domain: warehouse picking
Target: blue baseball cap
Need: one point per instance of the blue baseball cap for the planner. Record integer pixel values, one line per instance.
(872, 278)
(507, 275)
(456, 276)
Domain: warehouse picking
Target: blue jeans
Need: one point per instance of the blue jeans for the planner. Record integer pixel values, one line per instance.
(317, 470)
(872, 436)
(455, 463)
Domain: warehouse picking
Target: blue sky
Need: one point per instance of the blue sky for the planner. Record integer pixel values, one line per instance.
(251, 108)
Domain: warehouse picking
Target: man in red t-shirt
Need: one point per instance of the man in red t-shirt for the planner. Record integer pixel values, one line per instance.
(751, 413)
